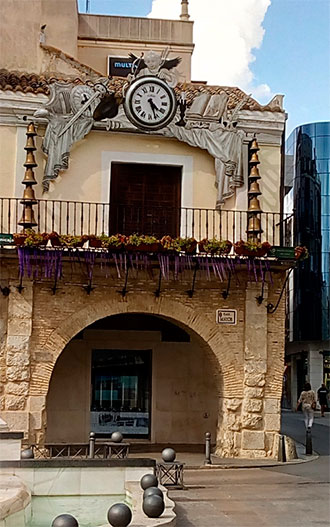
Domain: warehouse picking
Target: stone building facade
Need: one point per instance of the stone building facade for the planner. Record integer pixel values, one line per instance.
(227, 379)
(201, 375)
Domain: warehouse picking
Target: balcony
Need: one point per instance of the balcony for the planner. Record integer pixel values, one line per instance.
(78, 218)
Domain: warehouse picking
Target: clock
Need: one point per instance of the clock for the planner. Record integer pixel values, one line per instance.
(150, 104)
(79, 96)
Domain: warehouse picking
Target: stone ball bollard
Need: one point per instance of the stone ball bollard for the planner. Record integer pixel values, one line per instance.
(153, 506)
(65, 520)
(119, 515)
(168, 455)
(116, 437)
(27, 453)
(152, 491)
(148, 480)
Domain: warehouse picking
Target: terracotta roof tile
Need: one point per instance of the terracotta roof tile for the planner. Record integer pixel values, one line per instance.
(33, 83)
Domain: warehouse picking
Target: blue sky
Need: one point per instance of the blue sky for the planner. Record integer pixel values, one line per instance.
(292, 58)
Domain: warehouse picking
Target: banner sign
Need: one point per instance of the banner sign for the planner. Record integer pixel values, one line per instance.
(226, 316)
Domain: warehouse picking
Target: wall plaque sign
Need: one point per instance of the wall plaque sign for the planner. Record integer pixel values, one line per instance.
(226, 316)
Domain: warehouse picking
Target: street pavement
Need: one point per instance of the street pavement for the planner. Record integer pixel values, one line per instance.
(286, 495)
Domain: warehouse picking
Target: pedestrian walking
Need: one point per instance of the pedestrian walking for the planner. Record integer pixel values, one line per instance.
(322, 396)
(307, 400)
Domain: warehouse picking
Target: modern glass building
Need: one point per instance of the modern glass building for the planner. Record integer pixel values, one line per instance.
(307, 194)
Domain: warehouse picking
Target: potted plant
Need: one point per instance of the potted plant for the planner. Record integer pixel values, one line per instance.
(167, 243)
(19, 238)
(68, 240)
(151, 243)
(115, 242)
(187, 245)
(35, 239)
(104, 239)
(251, 248)
(301, 252)
(94, 241)
(136, 242)
(214, 246)
(54, 238)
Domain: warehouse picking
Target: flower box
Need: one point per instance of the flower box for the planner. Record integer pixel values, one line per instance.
(301, 252)
(251, 249)
(141, 243)
(19, 238)
(214, 246)
(95, 242)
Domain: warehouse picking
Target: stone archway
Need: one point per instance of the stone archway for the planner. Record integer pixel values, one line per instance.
(138, 372)
(209, 335)
(197, 322)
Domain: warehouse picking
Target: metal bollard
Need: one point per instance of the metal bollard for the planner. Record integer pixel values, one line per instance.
(309, 444)
(91, 445)
(282, 453)
(207, 449)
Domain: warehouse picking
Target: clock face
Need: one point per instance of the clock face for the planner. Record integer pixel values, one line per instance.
(79, 96)
(150, 104)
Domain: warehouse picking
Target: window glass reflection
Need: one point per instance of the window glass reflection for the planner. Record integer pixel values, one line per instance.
(322, 145)
(121, 392)
(309, 129)
(322, 128)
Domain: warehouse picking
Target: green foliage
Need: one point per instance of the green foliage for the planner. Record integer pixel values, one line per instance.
(215, 246)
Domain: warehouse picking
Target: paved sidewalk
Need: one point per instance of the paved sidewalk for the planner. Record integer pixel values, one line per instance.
(259, 497)
(197, 460)
(291, 494)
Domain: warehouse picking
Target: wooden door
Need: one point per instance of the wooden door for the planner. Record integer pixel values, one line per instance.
(145, 199)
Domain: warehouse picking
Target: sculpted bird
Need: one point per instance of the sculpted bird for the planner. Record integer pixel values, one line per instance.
(107, 107)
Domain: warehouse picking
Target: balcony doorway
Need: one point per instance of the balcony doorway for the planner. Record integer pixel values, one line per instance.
(145, 199)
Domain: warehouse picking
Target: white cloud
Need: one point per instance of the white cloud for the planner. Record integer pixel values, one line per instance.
(225, 34)
(262, 93)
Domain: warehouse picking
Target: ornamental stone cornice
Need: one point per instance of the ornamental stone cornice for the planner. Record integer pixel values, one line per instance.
(14, 106)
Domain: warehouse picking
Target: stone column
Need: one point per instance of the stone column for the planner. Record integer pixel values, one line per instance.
(17, 358)
(255, 369)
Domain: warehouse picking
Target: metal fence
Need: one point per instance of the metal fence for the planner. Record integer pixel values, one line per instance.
(77, 218)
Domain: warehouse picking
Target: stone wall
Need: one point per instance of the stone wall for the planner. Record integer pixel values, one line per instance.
(246, 359)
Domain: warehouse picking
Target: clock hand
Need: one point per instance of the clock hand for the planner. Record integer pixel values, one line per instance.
(153, 106)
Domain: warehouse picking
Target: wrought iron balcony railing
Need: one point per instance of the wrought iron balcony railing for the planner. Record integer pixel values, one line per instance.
(77, 218)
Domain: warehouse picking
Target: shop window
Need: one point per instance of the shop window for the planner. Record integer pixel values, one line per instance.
(121, 392)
